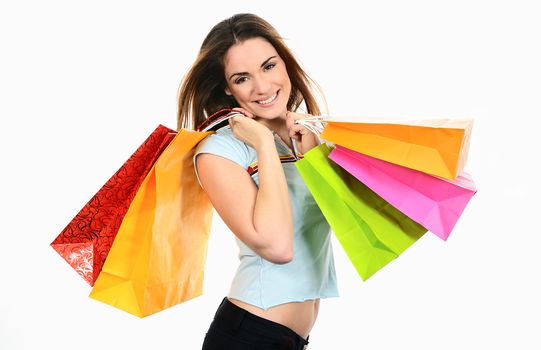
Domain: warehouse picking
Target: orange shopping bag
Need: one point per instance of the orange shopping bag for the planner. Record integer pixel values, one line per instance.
(158, 257)
(434, 146)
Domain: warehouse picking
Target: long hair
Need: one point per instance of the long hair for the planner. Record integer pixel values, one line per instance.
(201, 91)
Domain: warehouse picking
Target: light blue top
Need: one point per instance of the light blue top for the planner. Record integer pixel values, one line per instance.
(311, 273)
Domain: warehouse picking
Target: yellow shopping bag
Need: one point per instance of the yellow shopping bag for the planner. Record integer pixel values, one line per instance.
(434, 146)
(157, 258)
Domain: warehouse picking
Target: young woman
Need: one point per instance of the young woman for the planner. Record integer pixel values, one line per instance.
(247, 169)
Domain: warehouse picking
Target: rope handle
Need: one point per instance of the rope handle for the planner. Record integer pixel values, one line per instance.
(313, 123)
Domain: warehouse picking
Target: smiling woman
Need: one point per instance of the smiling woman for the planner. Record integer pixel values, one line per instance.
(264, 85)
(286, 259)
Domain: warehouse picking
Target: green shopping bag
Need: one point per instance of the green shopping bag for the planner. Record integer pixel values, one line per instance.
(371, 231)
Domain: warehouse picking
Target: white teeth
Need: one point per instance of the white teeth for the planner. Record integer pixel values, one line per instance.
(264, 102)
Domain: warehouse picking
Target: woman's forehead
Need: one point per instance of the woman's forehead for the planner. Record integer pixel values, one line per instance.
(248, 55)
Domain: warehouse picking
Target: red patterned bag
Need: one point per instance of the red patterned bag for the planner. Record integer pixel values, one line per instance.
(87, 239)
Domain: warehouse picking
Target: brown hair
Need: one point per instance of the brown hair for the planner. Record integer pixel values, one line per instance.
(201, 92)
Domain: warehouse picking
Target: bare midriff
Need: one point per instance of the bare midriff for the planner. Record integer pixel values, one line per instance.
(298, 316)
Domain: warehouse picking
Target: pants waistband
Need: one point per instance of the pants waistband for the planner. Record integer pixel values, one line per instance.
(232, 316)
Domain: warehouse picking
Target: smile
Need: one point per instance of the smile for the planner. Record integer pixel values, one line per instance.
(269, 100)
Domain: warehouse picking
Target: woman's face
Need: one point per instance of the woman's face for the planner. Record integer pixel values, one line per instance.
(257, 77)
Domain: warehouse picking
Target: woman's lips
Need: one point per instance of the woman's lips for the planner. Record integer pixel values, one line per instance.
(269, 101)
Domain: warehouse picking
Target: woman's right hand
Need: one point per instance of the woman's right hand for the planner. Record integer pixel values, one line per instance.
(248, 130)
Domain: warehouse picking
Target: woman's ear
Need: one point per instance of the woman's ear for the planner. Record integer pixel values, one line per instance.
(227, 91)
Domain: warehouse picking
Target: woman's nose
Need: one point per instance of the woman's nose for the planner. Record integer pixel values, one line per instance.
(261, 85)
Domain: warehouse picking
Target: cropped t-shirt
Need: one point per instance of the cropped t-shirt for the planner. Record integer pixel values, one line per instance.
(311, 273)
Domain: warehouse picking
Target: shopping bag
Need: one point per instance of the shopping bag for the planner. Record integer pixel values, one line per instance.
(85, 242)
(370, 230)
(157, 258)
(433, 202)
(434, 146)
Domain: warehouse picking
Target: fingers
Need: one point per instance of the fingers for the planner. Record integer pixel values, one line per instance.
(240, 119)
(295, 116)
(296, 131)
(243, 111)
(289, 121)
(235, 120)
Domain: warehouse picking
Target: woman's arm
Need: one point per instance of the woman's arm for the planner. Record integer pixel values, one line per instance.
(273, 212)
(261, 218)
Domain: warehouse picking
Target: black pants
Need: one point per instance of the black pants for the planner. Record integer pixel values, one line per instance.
(237, 329)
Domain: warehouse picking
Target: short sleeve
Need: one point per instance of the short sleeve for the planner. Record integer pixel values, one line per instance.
(224, 144)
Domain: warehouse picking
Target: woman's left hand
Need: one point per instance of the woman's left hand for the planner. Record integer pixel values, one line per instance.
(306, 140)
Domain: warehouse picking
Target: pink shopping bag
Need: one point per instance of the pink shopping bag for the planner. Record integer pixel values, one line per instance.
(433, 202)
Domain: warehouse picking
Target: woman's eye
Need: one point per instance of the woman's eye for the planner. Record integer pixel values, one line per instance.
(240, 80)
(269, 66)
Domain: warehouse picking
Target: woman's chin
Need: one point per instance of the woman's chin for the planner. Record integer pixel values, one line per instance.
(271, 113)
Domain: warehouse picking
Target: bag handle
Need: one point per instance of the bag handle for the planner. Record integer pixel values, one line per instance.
(313, 123)
(217, 118)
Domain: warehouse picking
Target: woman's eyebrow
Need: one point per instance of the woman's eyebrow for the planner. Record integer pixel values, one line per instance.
(262, 64)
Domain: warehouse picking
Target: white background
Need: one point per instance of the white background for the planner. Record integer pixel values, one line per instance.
(82, 84)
